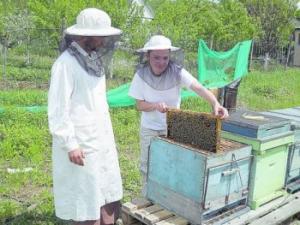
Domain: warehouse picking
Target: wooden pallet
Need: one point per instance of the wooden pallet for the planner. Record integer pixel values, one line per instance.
(143, 212)
(272, 213)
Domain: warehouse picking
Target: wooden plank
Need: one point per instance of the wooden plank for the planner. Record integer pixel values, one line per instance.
(174, 220)
(142, 213)
(136, 204)
(141, 203)
(128, 207)
(280, 215)
(158, 216)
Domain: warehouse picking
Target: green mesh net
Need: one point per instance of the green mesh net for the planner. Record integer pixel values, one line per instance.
(217, 69)
(118, 97)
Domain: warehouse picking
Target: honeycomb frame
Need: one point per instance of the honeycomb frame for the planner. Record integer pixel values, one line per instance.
(198, 129)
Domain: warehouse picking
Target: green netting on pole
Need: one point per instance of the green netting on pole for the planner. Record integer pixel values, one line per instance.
(217, 69)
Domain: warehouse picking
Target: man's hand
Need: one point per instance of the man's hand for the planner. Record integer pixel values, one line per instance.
(76, 156)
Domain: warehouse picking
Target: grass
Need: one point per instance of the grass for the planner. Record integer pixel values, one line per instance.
(26, 198)
(273, 90)
(25, 97)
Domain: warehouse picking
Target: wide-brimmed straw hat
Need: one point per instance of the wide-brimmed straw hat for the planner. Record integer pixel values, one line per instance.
(158, 42)
(93, 22)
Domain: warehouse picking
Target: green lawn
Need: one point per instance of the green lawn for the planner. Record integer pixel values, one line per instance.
(26, 198)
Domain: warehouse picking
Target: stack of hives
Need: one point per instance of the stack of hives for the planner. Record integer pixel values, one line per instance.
(270, 138)
(293, 163)
(196, 174)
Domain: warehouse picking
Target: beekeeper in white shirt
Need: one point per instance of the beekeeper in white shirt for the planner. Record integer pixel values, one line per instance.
(86, 175)
(156, 87)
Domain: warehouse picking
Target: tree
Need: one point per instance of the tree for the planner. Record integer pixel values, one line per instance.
(235, 25)
(11, 10)
(297, 14)
(186, 21)
(55, 16)
(274, 19)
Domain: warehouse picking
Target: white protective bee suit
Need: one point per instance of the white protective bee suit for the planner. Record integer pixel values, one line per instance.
(79, 117)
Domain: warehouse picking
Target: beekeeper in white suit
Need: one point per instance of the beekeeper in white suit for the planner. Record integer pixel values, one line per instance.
(86, 175)
(156, 86)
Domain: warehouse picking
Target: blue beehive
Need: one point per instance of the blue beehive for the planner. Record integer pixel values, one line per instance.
(196, 184)
(255, 125)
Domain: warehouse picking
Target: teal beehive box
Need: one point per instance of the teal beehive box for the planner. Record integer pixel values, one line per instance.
(196, 184)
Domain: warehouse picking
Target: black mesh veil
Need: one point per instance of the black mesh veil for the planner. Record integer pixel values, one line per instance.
(105, 53)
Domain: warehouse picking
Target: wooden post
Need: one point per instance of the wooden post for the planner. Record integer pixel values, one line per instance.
(62, 44)
(266, 61)
(288, 56)
(4, 57)
(250, 59)
(27, 46)
(289, 52)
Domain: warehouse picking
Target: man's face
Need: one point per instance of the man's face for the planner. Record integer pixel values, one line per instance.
(93, 43)
(159, 60)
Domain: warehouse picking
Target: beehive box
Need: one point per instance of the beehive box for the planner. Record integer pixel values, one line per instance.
(261, 145)
(267, 176)
(198, 184)
(200, 130)
(269, 157)
(293, 163)
(293, 169)
(291, 114)
(255, 125)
